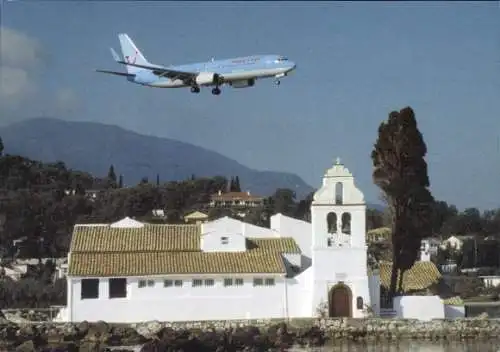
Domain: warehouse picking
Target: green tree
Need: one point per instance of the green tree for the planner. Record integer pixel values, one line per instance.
(400, 171)
(283, 201)
(303, 209)
(236, 185)
(1, 146)
(374, 219)
(120, 181)
(112, 177)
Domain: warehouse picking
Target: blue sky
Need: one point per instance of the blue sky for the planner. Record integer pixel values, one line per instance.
(356, 62)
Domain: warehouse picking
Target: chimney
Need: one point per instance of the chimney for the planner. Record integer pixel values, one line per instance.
(220, 192)
(248, 192)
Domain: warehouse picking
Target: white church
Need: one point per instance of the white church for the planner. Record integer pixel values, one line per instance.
(226, 269)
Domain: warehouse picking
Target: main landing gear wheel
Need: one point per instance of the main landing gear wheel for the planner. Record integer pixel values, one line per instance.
(216, 91)
(195, 89)
(277, 82)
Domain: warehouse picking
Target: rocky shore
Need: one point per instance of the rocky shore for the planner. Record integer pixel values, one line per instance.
(235, 335)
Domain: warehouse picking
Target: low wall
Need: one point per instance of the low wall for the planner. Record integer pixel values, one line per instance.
(475, 309)
(419, 307)
(368, 327)
(242, 333)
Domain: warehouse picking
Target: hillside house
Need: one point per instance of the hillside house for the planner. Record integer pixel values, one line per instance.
(195, 217)
(235, 200)
(429, 248)
(457, 242)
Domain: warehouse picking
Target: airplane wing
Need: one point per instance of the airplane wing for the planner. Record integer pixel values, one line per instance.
(117, 73)
(165, 72)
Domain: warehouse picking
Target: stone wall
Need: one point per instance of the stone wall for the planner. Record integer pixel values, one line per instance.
(370, 328)
(200, 336)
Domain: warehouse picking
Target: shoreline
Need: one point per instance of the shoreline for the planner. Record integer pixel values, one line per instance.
(241, 334)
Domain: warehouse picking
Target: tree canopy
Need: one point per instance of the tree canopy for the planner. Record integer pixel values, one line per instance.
(400, 171)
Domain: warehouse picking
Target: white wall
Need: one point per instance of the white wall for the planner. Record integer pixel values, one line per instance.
(491, 281)
(181, 303)
(223, 242)
(454, 312)
(227, 225)
(419, 307)
(292, 259)
(299, 230)
(374, 287)
(299, 295)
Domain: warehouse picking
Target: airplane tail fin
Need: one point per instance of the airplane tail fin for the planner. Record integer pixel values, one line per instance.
(131, 53)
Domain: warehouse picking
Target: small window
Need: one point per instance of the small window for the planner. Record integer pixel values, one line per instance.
(141, 283)
(359, 303)
(224, 240)
(197, 283)
(269, 282)
(209, 282)
(257, 282)
(90, 289)
(118, 288)
(168, 283)
(228, 282)
(238, 282)
(151, 283)
(178, 283)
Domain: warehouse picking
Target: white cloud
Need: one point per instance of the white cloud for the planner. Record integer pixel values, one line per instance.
(22, 94)
(19, 50)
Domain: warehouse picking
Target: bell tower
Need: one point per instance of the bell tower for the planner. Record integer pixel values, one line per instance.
(338, 211)
(339, 251)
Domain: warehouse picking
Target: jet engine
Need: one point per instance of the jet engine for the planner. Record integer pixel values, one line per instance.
(208, 78)
(243, 83)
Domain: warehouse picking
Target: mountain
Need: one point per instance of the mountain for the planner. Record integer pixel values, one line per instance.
(93, 147)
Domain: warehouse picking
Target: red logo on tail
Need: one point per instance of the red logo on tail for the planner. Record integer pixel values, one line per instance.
(127, 58)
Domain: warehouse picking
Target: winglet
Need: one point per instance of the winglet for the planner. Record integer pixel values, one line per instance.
(115, 55)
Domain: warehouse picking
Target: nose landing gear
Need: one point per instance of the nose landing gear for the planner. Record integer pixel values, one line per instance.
(278, 76)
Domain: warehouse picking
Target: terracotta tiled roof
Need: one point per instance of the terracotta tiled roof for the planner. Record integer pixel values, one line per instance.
(137, 264)
(277, 244)
(167, 249)
(230, 196)
(196, 215)
(454, 301)
(151, 237)
(421, 276)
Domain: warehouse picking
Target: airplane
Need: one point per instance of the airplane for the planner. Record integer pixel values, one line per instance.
(240, 72)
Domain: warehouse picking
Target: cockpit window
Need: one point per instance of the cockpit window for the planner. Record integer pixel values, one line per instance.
(281, 59)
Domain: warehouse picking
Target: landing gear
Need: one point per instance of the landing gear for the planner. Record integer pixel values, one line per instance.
(216, 91)
(277, 82)
(195, 89)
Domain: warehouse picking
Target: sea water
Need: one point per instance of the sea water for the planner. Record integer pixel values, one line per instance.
(410, 346)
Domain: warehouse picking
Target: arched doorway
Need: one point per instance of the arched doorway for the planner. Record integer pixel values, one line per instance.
(340, 301)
